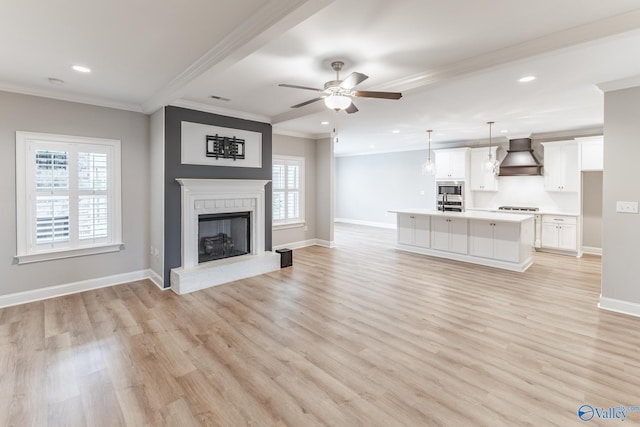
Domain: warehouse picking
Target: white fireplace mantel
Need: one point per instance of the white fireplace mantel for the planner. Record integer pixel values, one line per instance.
(209, 196)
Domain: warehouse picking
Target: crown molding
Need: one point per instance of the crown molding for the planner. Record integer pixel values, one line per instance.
(619, 84)
(79, 99)
(193, 105)
(304, 135)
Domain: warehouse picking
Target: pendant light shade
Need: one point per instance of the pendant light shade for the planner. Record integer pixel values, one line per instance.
(337, 102)
(490, 164)
(428, 168)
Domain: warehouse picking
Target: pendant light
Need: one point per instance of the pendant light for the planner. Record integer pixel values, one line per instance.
(491, 164)
(427, 168)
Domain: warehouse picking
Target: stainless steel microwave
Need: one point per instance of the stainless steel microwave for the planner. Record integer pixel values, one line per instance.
(450, 196)
(450, 188)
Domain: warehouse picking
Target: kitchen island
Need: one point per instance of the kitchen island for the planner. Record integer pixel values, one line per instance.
(495, 239)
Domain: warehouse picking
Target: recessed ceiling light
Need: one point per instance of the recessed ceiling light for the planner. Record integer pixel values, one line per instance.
(81, 69)
(55, 81)
(324, 123)
(504, 131)
(395, 131)
(526, 79)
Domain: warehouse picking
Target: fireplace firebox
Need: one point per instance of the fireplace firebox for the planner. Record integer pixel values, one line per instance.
(223, 235)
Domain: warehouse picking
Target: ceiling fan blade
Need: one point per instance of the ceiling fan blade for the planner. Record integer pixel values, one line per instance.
(300, 87)
(352, 80)
(351, 109)
(302, 104)
(382, 95)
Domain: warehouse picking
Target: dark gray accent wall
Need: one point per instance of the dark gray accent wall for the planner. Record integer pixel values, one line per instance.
(174, 116)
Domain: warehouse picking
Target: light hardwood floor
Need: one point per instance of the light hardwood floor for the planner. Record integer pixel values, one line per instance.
(361, 335)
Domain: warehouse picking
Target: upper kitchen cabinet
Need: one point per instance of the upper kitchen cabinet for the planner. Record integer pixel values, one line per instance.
(561, 170)
(591, 153)
(452, 164)
(482, 179)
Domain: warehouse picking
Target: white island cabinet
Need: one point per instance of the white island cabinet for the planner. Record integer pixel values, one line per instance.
(495, 239)
(450, 234)
(413, 230)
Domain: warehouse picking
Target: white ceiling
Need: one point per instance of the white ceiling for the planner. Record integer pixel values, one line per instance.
(456, 61)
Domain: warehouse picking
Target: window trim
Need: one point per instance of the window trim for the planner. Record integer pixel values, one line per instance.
(24, 253)
(301, 221)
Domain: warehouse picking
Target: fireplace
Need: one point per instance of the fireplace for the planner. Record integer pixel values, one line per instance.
(223, 235)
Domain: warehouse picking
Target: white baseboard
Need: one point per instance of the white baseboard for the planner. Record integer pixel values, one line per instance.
(71, 288)
(326, 243)
(296, 245)
(619, 306)
(368, 223)
(306, 243)
(591, 250)
(156, 279)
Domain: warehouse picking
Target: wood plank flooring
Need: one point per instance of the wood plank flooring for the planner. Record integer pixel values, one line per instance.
(361, 335)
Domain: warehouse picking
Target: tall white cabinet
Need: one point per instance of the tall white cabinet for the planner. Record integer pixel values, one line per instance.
(561, 168)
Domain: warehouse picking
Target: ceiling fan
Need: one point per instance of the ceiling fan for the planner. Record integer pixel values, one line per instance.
(337, 93)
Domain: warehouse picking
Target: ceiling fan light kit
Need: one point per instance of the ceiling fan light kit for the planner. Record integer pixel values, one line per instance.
(337, 102)
(337, 93)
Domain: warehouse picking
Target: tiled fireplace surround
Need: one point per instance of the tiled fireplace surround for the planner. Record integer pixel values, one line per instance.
(209, 196)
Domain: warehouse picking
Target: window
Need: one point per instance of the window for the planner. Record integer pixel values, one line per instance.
(68, 196)
(288, 190)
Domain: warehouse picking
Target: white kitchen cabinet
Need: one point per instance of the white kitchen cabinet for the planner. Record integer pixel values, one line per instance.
(449, 234)
(452, 164)
(559, 232)
(561, 169)
(481, 179)
(414, 230)
(591, 153)
(494, 239)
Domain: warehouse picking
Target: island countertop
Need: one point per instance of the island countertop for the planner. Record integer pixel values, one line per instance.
(469, 214)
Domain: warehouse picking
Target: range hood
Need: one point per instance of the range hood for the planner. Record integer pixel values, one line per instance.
(520, 160)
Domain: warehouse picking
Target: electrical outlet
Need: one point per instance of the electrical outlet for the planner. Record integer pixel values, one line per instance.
(627, 207)
(422, 192)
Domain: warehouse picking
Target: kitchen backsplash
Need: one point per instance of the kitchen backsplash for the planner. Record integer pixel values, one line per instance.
(527, 191)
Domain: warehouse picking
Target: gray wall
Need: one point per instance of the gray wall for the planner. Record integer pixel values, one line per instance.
(300, 147)
(368, 186)
(325, 190)
(592, 209)
(621, 181)
(35, 114)
(173, 169)
(156, 194)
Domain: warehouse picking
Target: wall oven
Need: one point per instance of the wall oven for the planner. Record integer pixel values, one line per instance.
(450, 196)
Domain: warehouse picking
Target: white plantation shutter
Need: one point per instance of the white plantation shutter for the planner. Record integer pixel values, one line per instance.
(93, 206)
(68, 195)
(279, 187)
(51, 196)
(288, 206)
(52, 219)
